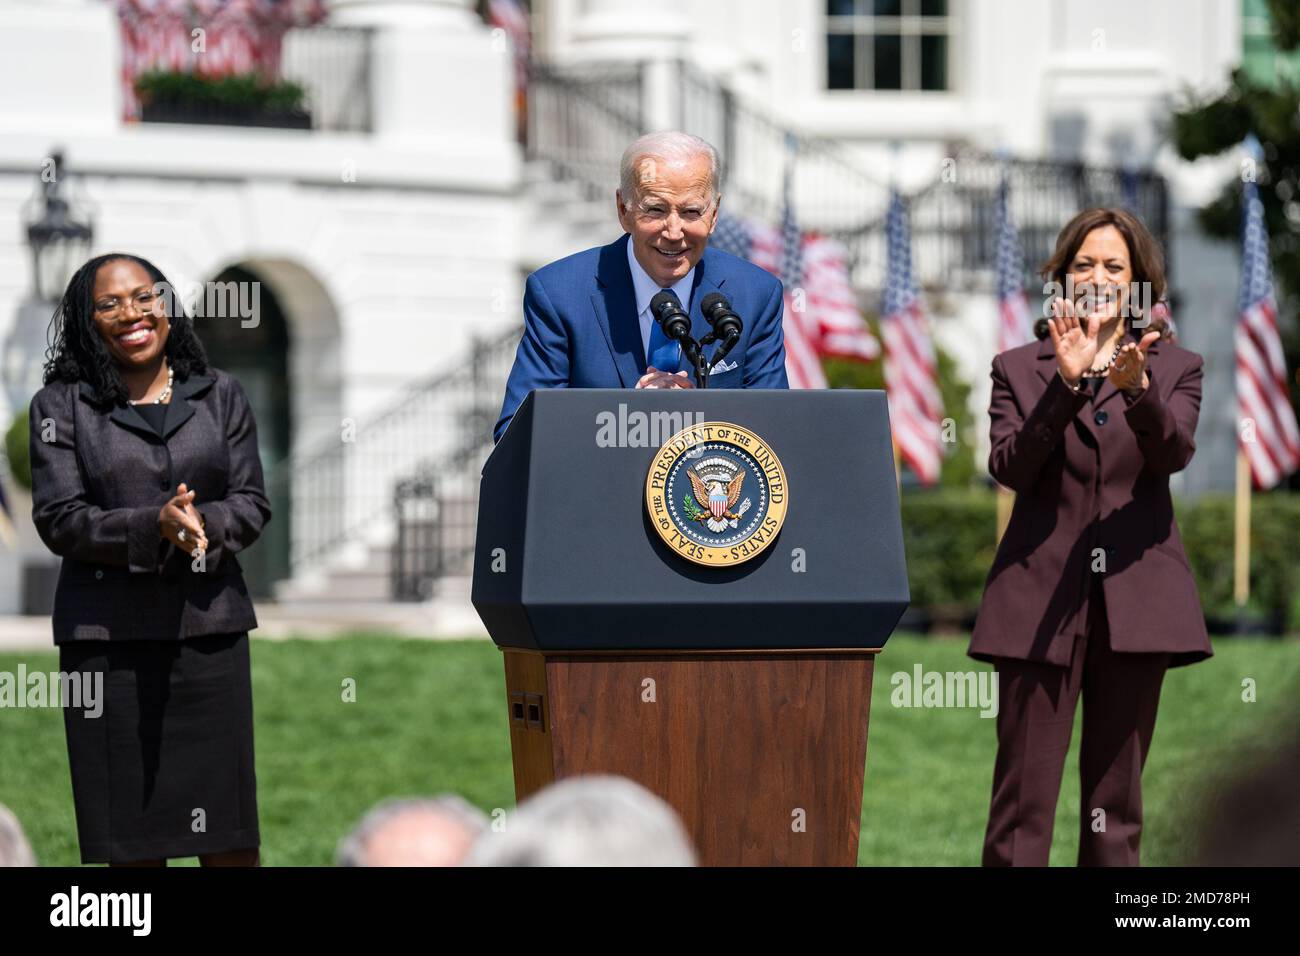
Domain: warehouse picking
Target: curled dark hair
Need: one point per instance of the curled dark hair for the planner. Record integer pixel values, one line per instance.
(77, 352)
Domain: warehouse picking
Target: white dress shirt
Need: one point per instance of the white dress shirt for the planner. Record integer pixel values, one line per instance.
(646, 289)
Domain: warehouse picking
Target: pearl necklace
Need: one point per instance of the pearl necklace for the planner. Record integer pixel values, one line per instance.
(1098, 372)
(165, 393)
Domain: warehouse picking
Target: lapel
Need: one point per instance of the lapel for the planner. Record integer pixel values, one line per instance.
(179, 410)
(1046, 368)
(614, 303)
(706, 281)
(179, 413)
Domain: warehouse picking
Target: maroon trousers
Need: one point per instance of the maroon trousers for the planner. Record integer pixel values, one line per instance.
(1036, 704)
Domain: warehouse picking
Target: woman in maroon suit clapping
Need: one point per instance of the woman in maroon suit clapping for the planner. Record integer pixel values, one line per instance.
(1090, 592)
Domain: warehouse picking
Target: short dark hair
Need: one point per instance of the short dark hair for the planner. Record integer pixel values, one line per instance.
(77, 353)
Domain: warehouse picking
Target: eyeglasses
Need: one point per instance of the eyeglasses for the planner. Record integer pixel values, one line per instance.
(144, 300)
(655, 212)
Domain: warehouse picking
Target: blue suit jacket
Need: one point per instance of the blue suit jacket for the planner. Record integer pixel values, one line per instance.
(581, 329)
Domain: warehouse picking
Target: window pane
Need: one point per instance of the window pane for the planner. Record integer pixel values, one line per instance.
(934, 8)
(886, 8)
(839, 8)
(888, 73)
(934, 62)
(839, 62)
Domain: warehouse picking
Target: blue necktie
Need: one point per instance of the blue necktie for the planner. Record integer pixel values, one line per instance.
(665, 354)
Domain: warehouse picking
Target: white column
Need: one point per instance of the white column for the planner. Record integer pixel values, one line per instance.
(623, 31)
(60, 66)
(453, 14)
(436, 72)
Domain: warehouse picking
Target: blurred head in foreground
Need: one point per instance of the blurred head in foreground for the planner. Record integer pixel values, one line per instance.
(588, 821)
(1253, 819)
(14, 848)
(414, 832)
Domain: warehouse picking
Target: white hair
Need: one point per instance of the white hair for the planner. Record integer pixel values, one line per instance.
(14, 848)
(588, 821)
(667, 146)
(353, 849)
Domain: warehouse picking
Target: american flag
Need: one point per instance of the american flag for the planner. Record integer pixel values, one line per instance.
(1262, 399)
(911, 372)
(1160, 312)
(1015, 324)
(512, 18)
(821, 318)
(239, 36)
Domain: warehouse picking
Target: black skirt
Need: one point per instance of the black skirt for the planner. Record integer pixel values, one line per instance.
(166, 770)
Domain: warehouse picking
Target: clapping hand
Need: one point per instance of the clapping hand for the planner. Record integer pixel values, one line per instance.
(1075, 343)
(1128, 372)
(180, 523)
(653, 378)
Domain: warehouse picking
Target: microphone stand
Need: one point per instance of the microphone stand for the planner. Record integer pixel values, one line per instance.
(695, 353)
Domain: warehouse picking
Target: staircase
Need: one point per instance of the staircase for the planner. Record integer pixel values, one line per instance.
(391, 516)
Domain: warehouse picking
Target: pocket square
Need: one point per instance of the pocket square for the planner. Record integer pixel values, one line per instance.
(724, 367)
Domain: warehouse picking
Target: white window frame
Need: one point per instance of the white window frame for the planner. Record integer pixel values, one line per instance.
(910, 26)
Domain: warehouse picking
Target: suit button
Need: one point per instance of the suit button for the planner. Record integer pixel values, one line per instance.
(162, 484)
(1101, 417)
(99, 575)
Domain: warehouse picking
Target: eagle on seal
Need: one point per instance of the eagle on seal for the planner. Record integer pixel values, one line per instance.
(716, 499)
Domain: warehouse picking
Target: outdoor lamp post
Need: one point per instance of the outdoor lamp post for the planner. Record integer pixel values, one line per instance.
(60, 242)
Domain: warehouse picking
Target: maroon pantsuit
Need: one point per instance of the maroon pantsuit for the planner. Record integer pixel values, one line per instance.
(1090, 594)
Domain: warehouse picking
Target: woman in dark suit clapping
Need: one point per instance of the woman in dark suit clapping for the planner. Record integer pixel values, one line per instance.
(146, 481)
(1090, 593)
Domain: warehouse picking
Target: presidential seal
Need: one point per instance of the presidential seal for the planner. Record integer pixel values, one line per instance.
(716, 494)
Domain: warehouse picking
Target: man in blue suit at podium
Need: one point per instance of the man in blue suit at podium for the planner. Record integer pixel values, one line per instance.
(587, 321)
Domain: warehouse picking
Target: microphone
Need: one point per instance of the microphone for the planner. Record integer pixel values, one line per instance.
(717, 312)
(726, 324)
(666, 309)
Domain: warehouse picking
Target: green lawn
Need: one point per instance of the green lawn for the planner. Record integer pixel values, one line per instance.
(429, 717)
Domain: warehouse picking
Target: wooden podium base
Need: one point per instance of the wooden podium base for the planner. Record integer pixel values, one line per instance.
(762, 753)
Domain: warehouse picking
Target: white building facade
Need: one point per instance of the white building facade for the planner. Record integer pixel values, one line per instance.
(384, 251)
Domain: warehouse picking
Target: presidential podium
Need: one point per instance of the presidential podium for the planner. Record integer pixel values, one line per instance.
(689, 588)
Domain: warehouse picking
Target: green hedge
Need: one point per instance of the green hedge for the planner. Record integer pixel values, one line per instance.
(949, 538)
(16, 450)
(235, 90)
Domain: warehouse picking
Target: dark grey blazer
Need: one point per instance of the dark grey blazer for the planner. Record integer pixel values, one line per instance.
(101, 474)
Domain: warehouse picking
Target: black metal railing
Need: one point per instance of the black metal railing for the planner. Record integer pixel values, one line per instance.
(582, 119)
(332, 65)
(436, 512)
(343, 492)
(435, 508)
(952, 220)
(831, 191)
